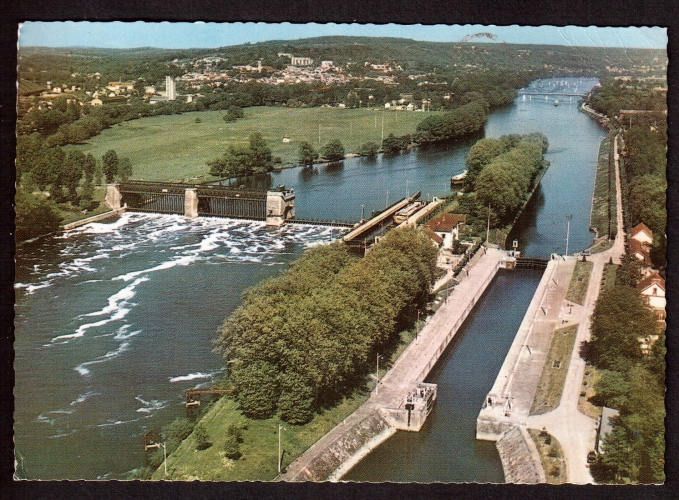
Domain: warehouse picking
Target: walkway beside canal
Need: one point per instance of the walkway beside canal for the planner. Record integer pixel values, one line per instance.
(341, 448)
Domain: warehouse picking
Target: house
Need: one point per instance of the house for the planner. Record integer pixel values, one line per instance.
(642, 234)
(640, 251)
(96, 102)
(436, 240)
(447, 226)
(652, 291)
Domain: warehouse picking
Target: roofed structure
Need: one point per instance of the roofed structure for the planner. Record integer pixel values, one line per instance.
(642, 233)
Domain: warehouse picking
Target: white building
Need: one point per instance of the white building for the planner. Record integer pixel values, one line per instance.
(170, 88)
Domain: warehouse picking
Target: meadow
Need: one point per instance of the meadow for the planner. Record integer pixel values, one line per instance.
(175, 147)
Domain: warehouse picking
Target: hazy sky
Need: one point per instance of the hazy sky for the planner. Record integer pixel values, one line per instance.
(209, 35)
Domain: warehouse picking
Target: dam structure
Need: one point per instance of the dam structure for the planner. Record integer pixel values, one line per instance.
(274, 206)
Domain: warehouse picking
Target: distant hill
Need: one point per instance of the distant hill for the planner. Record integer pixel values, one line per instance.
(411, 55)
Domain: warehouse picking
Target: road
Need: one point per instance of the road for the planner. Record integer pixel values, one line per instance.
(575, 431)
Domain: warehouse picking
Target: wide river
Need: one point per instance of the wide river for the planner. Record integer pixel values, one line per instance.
(115, 320)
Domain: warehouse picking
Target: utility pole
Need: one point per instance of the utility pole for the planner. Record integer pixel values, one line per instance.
(568, 230)
(362, 212)
(417, 329)
(387, 204)
(488, 228)
(165, 458)
(382, 126)
(377, 375)
(407, 193)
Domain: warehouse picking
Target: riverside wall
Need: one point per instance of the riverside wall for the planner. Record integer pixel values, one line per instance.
(94, 218)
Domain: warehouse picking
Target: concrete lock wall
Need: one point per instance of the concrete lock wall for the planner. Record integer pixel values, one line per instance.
(280, 205)
(113, 197)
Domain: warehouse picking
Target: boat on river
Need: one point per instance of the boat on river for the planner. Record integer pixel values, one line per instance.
(458, 180)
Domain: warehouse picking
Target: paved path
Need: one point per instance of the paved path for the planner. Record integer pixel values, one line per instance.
(417, 359)
(575, 431)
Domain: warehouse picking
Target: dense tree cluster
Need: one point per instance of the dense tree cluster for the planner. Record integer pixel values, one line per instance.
(35, 215)
(630, 381)
(304, 339)
(644, 160)
(467, 119)
(307, 154)
(501, 173)
(333, 150)
(256, 157)
(393, 144)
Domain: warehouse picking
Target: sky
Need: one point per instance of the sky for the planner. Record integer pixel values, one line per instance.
(212, 35)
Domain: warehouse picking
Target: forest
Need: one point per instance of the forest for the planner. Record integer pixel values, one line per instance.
(306, 338)
(501, 174)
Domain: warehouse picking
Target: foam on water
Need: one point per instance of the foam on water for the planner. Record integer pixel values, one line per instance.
(193, 376)
(81, 368)
(150, 406)
(83, 397)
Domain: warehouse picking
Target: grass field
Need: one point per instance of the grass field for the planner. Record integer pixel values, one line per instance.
(553, 376)
(175, 147)
(577, 289)
(260, 440)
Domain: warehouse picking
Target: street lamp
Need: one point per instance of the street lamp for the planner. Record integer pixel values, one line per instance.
(279, 446)
(377, 374)
(417, 329)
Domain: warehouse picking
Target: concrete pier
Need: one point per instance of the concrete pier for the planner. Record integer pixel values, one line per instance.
(509, 401)
(113, 197)
(191, 203)
(280, 206)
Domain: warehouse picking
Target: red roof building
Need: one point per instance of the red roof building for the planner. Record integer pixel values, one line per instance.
(640, 251)
(642, 233)
(446, 222)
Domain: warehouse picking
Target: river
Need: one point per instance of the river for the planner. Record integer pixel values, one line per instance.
(115, 320)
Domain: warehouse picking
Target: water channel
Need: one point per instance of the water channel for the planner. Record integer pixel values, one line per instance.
(115, 320)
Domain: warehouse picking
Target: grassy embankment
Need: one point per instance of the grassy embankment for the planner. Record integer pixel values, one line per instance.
(553, 376)
(260, 440)
(604, 206)
(175, 147)
(577, 289)
(551, 456)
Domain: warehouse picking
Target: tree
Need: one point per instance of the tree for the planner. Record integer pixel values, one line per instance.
(45, 171)
(368, 149)
(233, 113)
(72, 172)
(258, 388)
(34, 216)
(110, 165)
(176, 432)
(261, 157)
(333, 151)
(391, 144)
(231, 448)
(307, 154)
(296, 402)
(202, 436)
(125, 169)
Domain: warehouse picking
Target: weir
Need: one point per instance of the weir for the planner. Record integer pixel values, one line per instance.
(274, 206)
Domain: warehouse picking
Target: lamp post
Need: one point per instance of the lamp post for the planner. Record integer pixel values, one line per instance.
(362, 212)
(165, 458)
(279, 446)
(417, 329)
(377, 375)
